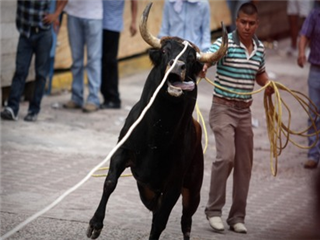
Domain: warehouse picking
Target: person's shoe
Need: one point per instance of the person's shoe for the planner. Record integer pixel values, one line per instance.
(71, 105)
(31, 117)
(8, 114)
(310, 164)
(216, 224)
(292, 52)
(239, 228)
(89, 107)
(110, 105)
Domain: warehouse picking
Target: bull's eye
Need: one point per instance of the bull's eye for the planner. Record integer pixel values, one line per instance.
(191, 58)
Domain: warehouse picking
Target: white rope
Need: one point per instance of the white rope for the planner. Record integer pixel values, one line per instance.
(86, 178)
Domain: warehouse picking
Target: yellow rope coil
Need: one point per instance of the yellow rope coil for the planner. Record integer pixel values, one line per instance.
(104, 175)
(275, 126)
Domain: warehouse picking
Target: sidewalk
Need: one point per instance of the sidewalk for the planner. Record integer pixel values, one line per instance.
(40, 161)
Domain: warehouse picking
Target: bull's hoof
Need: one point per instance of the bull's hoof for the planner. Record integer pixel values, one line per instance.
(93, 233)
(186, 236)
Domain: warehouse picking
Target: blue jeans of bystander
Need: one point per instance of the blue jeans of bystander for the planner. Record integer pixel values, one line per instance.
(39, 43)
(85, 32)
(314, 94)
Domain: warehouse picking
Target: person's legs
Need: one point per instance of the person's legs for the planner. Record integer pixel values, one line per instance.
(42, 43)
(293, 23)
(314, 94)
(93, 36)
(222, 126)
(23, 60)
(293, 18)
(304, 8)
(110, 78)
(76, 42)
(242, 166)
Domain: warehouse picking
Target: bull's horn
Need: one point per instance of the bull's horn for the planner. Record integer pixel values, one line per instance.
(213, 57)
(145, 34)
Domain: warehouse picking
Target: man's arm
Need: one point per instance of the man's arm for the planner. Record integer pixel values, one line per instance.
(54, 17)
(262, 79)
(303, 42)
(50, 18)
(133, 25)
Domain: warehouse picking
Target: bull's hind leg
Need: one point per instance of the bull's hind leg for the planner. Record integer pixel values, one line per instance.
(118, 164)
(190, 205)
(191, 193)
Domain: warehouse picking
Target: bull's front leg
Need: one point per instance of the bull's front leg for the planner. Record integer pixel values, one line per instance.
(117, 166)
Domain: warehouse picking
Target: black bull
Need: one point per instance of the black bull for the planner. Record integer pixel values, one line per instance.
(164, 151)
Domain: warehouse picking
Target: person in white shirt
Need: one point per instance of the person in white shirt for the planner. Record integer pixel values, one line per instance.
(85, 32)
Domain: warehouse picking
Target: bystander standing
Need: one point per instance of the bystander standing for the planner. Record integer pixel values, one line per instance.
(189, 20)
(112, 26)
(310, 36)
(85, 33)
(297, 11)
(34, 24)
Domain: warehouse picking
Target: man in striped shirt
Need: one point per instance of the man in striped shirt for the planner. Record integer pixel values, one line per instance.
(230, 118)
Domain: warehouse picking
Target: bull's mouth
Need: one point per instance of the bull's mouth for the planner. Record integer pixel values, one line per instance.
(176, 85)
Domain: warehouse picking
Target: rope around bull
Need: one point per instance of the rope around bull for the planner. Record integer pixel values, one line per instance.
(275, 126)
(41, 212)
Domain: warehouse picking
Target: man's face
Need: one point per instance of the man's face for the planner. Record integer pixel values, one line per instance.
(246, 26)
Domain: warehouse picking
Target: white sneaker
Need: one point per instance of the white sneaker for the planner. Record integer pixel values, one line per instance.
(239, 228)
(216, 223)
(292, 52)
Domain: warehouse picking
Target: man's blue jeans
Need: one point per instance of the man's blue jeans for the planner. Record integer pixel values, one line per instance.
(85, 33)
(314, 94)
(39, 43)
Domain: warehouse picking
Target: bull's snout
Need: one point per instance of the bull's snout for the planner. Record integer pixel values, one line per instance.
(179, 69)
(180, 65)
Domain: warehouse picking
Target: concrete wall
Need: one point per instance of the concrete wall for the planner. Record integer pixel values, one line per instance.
(273, 20)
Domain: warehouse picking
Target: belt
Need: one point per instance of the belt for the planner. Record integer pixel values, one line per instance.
(38, 29)
(232, 103)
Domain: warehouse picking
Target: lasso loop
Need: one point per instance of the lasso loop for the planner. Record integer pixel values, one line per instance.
(279, 133)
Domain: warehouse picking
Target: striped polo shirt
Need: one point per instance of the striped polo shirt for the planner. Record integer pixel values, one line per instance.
(237, 70)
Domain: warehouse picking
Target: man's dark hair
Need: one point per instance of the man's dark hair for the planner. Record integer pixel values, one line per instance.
(248, 8)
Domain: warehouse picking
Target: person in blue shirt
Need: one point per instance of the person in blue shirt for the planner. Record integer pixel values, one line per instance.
(310, 36)
(112, 26)
(189, 20)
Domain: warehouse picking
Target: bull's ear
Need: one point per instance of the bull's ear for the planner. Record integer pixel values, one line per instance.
(155, 56)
